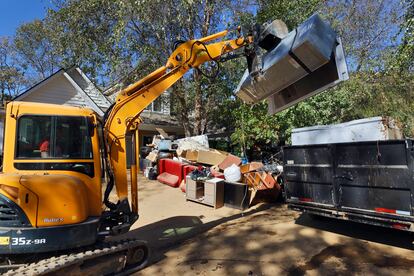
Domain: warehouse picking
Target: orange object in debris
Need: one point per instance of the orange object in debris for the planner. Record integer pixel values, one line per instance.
(260, 180)
(250, 167)
(228, 161)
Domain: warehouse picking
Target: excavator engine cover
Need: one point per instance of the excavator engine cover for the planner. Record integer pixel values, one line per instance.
(305, 62)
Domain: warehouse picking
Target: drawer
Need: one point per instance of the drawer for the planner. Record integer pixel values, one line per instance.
(190, 187)
(209, 188)
(191, 194)
(209, 199)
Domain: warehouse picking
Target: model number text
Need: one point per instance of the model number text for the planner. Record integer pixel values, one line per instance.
(24, 241)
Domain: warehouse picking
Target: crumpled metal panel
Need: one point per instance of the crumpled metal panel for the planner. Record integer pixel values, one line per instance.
(367, 129)
(303, 52)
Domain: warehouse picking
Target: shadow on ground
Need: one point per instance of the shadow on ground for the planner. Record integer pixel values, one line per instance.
(360, 231)
(166, 234)
(268, 241)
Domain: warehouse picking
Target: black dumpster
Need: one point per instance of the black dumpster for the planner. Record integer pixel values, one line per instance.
(368, 182)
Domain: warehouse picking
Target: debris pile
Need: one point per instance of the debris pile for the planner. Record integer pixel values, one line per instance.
(210, 176)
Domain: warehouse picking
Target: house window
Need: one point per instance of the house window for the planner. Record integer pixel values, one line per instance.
(157, 105)
(161, 105)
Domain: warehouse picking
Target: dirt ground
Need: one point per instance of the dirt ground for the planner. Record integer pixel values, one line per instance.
(187, 238)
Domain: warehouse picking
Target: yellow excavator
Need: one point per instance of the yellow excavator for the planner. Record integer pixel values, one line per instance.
(54, 217)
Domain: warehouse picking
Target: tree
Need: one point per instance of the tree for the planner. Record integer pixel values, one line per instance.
(108, 38)
(11, 74)
(291, 12)
(368, 29)
(404, 59)
(33, 44)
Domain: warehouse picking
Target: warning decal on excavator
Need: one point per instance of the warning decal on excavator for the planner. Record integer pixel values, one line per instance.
(4, 240)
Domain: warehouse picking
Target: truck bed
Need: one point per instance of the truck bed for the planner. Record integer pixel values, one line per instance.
(368, 182)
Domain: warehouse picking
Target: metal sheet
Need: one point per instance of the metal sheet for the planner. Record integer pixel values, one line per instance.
(368, 129)
(307, 61)
(325, 77)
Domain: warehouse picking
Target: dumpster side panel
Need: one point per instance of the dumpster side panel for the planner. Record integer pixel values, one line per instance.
(375, 176)
(308, 174)
(368, 182)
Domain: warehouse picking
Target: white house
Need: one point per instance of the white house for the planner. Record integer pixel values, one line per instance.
(67, 87)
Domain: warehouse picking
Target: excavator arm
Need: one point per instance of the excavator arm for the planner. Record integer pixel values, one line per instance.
(123, 118)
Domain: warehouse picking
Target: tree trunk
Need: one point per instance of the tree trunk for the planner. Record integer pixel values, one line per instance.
(182, 110)
(200, 110)
(198, 104)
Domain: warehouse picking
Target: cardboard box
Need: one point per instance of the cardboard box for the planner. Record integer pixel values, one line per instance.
(191, 155)
(211, 157)
(181, 153)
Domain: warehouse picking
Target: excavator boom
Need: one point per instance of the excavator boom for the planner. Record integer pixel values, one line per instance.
(123, 118)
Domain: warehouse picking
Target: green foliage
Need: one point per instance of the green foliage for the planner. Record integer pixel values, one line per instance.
(405, 55)
(12, 79)
(33, 44)
(367, 28)
(292, 12)
(109, 38)
(254, 126)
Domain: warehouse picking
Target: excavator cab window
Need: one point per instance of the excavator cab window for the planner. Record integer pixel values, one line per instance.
(53, 137)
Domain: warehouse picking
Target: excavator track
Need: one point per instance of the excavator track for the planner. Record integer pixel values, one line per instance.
(104, 258)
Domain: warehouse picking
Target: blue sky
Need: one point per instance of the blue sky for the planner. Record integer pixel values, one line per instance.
(15, 12)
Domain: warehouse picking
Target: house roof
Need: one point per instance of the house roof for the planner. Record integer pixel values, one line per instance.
(87, 94)
(37, 85)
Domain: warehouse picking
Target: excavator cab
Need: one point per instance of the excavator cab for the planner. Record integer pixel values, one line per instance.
(50, 191)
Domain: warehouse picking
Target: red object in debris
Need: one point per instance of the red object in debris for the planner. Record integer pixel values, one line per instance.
(171, 172)
(217, 174)
(169, 179)
(269, 181)
(228, 161)
(187, 169)
(182, 186)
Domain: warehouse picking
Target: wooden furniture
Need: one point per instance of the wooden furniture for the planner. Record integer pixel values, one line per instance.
(210, 192)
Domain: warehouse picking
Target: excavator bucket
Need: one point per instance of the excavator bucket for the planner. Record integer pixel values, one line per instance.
(307, 61)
